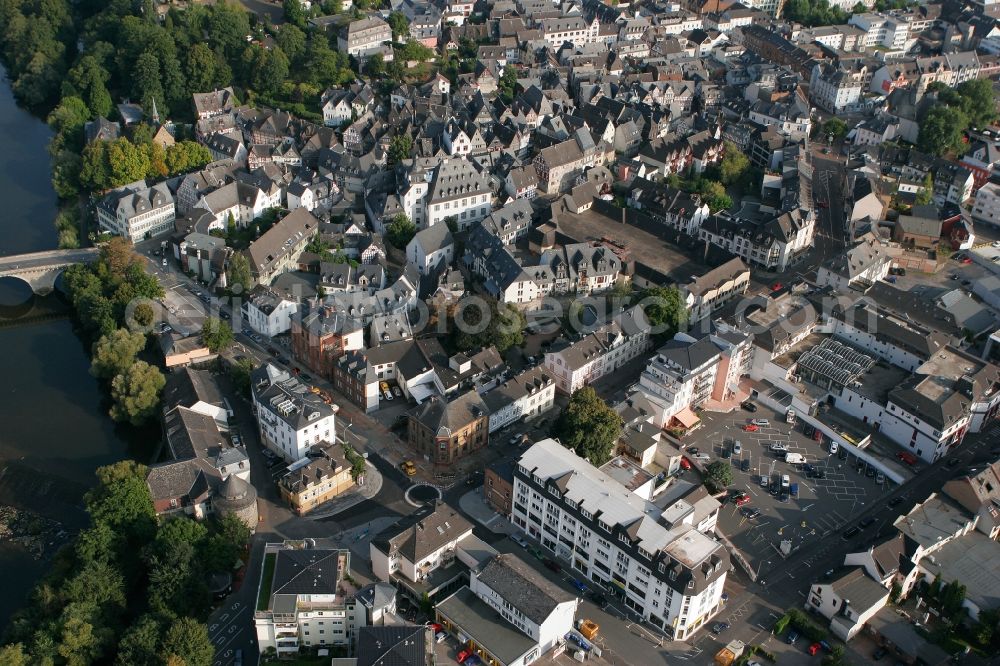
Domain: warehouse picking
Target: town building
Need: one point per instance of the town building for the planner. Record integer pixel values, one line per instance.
(536, 613)
(309, 599)
(268, 312)
(447, 430)
(671, 576)
(321, 334)
(364, 37)
(322, 475)
(290, 418)
(278, 249)
(598, 353)
(523, 396)
(708, 292)
(137, 212)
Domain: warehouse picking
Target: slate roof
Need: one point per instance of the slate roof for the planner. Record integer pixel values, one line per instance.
(523, 587)
(421, 533)
(395, 646)
(444, 418)
(304, 572)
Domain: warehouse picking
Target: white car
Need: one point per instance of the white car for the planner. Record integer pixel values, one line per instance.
(761, 423)
(702, 456)
(519, 540)
(737, 448)
(995, 244)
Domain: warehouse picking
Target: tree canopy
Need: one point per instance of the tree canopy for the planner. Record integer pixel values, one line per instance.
(400, 231)
(485, 322)
(588, 426)
(136, 393)
(216, 334)
(113, 354)
(665, 310)
(718, 475)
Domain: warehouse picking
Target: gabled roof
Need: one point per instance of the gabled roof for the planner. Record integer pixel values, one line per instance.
(424, 532)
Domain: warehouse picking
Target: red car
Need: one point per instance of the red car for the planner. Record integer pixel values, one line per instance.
(813, 649)
(463, 655)
(740, 501)
(435, 626)
(751, 427)
(685, 463)
(907, 457)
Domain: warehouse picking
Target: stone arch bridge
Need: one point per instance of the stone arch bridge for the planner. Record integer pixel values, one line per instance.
(41, 269)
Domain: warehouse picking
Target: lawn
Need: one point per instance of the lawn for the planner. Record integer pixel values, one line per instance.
(264, 596)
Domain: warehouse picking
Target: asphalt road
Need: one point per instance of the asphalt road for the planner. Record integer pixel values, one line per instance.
(47, 258)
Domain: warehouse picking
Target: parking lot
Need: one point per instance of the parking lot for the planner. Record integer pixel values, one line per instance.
(824, 490)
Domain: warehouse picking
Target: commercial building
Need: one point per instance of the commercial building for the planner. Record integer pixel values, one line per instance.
(321, 334)
(671, 576)
(267, 312)
(278, 250)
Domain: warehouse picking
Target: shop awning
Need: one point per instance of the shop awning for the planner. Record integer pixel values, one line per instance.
(687, 418)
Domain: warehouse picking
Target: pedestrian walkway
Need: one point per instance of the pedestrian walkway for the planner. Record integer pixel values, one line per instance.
(473, 504)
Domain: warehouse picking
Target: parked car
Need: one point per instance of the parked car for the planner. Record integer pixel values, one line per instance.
(878, 654)
(850, 533)
(834, 447)
(599, 600)
(745, 465)
(879, 478)
(894, 502)
(537, 552)
(702, 456)
(737, 448)
(552, 565)
(750, 427)
(749, 406)
(408, 468)
(813, 649)
(792, 637)
(761, 423)
(719, 627)
(579, 585)
(685, 463)
(693, 450)
(740, 501)
(440, 637)
(906, 457)
(398, 392)
(519, 540)
(866, 522)
(749, 512)
(305, 377)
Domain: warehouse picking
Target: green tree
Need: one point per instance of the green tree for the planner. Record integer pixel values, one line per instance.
(238, 273)
(588, 426)
(121, 501)
(79, 646)
(835, 128)
(400, 26)
(978, 102)
(941, 131)
(185, 156)
(718, 475)
(66, 168)
(498, 325)
(665, 310)
(294, 13)
(926, 193)
(140, 644)
(400, 148)
(188, 639)
(240, 373)
(414, 50)
(95, 172)
(734, 164)
(127, 162)
(400, 231)
(716, 197)
(507, 84)
(292, 41)
(115, 353)
(14, 655)
(89, 79)
(136, 393)
(68, 120)
(216, 334)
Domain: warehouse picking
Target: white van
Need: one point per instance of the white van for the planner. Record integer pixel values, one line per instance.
(834, 447)
(794, 458)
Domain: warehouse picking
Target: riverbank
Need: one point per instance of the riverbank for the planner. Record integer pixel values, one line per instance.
(39, 536)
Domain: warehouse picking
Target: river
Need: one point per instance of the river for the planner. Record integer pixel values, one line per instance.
(54, 415)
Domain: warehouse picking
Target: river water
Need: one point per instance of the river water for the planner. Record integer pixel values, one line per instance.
(54, 428)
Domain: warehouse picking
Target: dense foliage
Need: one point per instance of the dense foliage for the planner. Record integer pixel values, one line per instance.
(588, 426)
(971, 104)
(665, 310)
(487, 323)
(128, 590)
(813, 13)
